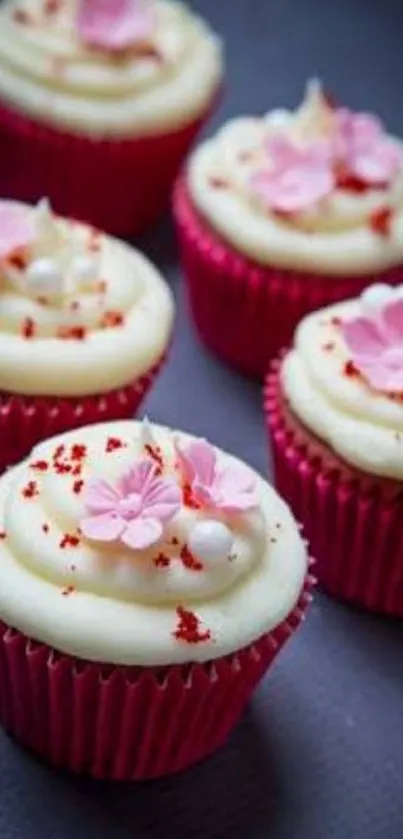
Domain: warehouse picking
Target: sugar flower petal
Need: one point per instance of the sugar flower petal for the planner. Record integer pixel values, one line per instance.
(114, 25)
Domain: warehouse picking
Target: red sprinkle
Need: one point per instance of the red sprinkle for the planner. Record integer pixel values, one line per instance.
(329, 346)
(162, 561)
(45, 528)
(41, 465)
(218, 183)
(113, 443)
(3, 534)
(111, 319)
(174, 541)
(154, 452)
(30, 490)
(78, 451)
(190, 562)
(72, 333)
(68, 590)
(22, 16)
(188, 628)
(74, 305)
(62, 468)
(380, 221)
(28, 328)
(78, 486)
(18, 260)
(350, 183)
(350, 369)
(335, 321)
(330, 100)
(102, 286)
(58, 452)
(187, 497)
(52, 7)
(69, 540)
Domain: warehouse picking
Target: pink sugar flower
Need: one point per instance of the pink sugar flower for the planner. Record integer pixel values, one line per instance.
(134, 511)
(230, 489)
(16, 229)
(114, 25)
(363, 149)
(376, 346)
(297, 177)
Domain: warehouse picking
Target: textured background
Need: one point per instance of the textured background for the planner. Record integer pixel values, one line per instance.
(319, 754)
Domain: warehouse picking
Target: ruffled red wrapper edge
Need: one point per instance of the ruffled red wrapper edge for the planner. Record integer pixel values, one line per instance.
(121, 186)
(125, 722)
(245, 312)
(352, 520)
(26, 420)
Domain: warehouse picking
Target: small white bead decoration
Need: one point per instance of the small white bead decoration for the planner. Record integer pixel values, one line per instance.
(210, 541)
(84, 269)
(374, 297)
(44, 277)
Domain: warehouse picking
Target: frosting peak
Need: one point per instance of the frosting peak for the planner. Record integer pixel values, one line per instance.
(105, 540)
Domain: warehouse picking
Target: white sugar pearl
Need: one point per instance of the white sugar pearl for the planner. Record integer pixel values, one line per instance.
(84, 269)
(210, 540)
(44, 277)
(375, 296)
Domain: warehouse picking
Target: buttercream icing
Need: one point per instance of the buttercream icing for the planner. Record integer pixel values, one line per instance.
(316, 189)
(65, 62)
(118, 550)
(80, 312)
(344, 379)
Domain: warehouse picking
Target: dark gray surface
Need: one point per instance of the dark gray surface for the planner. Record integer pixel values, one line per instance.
(320, 753)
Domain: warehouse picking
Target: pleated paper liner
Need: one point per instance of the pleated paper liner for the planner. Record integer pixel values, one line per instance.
(127, 723)
(352, 520)
(121, 186)
(25, 421)
(245, 312)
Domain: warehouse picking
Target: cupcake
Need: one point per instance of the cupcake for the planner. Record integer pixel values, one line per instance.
(147, 582)
(282, 214)
(334, 408)
(99, 103)
(85, 321)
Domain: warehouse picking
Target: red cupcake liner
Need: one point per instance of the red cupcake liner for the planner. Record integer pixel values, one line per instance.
(120, 186)
(352, 520)
(127, 722)
(26, 420)
(245, 312)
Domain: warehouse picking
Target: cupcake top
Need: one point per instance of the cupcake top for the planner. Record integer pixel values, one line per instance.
(317, 189)
(80, 313)
(344, 379)
(132, 544)
(107, 68)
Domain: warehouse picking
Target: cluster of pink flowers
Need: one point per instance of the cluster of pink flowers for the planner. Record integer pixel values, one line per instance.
(297, 177)
(375, 344)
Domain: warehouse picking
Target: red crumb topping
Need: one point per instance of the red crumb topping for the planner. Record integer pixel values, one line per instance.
(329, 346)
(68, 590)
(174, 541)
(218, 183)
(78, 486)
(162, 560)
(350, 183)
(69, 540)
(350, 369)
(114, 443)
(154, 452)
(22, 16)
(30, 490)
(45, 528)
(28, 328)
(78, 451)
(3, 534)
(190, 562)
(111, 319)
(187, 497)
(77, 469)
(72, 333)
(62, 468)
(52, 7)
(380, 221)
(335, 321)
(58, 452)
(188, 628)
(40, 465)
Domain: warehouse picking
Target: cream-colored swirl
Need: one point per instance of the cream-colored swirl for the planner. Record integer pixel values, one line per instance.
(80, 332)
(363, 426)
(334, 236)
(105, 602)
(45, 71)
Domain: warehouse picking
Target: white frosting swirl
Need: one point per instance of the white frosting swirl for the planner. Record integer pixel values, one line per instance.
(109, 603)
(335, 236)
(47, 73)
(361, 425)
(99, 317)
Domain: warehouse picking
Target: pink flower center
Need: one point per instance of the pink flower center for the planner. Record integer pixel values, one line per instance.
(393, 357)
(131, 506)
